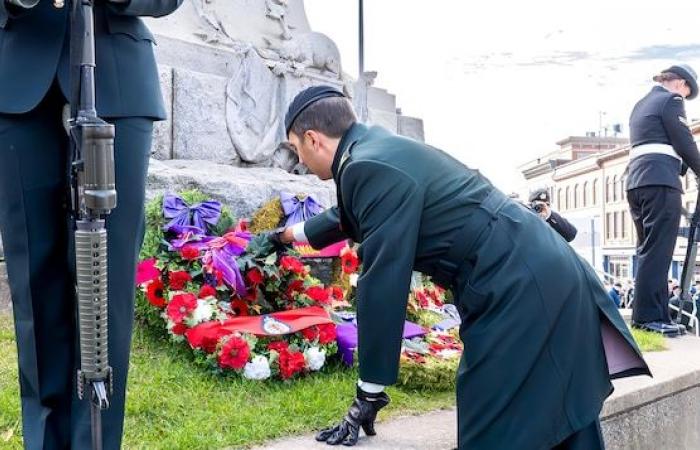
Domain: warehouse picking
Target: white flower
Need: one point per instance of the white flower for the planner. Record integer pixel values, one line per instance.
(257, 369)
(315, 358)
(353, 279)
(203, 312)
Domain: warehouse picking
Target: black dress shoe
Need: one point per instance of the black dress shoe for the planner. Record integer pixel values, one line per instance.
(667, 329)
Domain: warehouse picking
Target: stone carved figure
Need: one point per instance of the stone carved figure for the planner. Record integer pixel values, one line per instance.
(252, 109)
(309, 50)
(277, 10)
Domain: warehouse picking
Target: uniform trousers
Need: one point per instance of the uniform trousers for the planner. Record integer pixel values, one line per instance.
(38, 240)
(656, 212)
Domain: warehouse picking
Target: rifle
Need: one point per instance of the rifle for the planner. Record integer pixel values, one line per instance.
(93, 196)
(690, 257)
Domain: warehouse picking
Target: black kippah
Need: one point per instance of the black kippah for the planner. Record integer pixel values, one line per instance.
(306, 98)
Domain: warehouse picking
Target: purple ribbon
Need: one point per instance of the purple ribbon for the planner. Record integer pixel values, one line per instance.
(221, 254)
(298, 209)
(201, 215)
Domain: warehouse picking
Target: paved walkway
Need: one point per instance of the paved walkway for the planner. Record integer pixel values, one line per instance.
(674, 370)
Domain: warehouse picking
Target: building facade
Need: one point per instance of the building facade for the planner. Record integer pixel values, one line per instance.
(586, 182)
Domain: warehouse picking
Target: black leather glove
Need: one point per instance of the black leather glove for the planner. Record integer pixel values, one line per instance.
(275, 238)
(362, 413)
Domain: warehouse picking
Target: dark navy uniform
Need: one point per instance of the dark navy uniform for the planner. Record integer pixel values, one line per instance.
(532, 310)
(562, 226)
(34, 220)
(662, 145)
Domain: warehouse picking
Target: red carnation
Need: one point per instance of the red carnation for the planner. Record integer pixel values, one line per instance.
(206, 291)
(179, 279)
(240, 307)
(278, 346)
(326, 333)
(255, 276)
(422, 299)
(180, 306)
(318, 294)
(349, 260)
(291, 363)
(291, 264)
(189, 252)
(179, 329)
(234, 354)
(311, 333)
(154, 294)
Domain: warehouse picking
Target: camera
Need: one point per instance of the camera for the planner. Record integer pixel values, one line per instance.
(537, 207)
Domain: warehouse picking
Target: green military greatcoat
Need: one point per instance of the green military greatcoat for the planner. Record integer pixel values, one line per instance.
(542, 339)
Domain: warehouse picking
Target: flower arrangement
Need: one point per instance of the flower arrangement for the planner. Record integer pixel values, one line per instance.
(239, 305)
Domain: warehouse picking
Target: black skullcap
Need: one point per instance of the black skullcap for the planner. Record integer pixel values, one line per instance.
(306, 98)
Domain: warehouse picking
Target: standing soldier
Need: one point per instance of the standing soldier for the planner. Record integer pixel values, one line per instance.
(532, 311)
(662, 149)
(34, 218)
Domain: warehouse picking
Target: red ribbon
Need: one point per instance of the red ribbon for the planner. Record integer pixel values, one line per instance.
(275, 324)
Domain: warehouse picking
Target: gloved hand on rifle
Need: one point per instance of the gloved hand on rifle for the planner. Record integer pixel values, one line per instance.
(362, 414)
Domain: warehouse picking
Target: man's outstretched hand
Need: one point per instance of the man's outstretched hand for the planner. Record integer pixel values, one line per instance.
(362, 413)
(281, 239)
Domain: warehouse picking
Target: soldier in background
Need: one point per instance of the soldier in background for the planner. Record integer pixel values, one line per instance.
(541, 204)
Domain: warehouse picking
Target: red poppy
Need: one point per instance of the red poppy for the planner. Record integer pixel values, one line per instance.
(234, 353)
(326, 333)
(147, 271)
(349, 260)
(291, 264)
(179, 279)
(295, 287)
(206, 291)
(337, 293)
(179, 329)
(422, 299)
(318, 294)
(278, 346)
(291, 363)
(255, 276)
(154, 294)
(240, 307)
(180, 306)
(311, 333)
(189, 252)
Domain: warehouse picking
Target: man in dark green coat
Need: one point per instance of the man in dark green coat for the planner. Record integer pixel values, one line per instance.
(34, 220)
(542, 339)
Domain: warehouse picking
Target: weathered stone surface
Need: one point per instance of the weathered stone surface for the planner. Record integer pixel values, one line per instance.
(199, 117)
(4, 289)
(381, 99)
(411, 127)
(244, 190)
(163, 131)
(385, 119)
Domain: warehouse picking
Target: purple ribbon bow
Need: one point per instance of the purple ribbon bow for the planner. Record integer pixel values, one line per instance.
(299, 209)
(181, 214)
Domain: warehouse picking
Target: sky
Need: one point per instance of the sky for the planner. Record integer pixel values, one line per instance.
(498, 83)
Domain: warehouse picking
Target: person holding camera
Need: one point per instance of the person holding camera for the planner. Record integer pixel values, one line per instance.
(35, 83)
(662, 149)
(540, 203)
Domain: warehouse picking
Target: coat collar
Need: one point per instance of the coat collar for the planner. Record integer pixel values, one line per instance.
(354, 134)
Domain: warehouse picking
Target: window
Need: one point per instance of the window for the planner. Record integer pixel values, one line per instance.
(560, 203)
(576, 196)
(623, 181)
(594, 195)
(608, 226)
(614, 189)
(616, 225)
(624, 224)
(568, 198)
(585, 194)
(607, 189)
